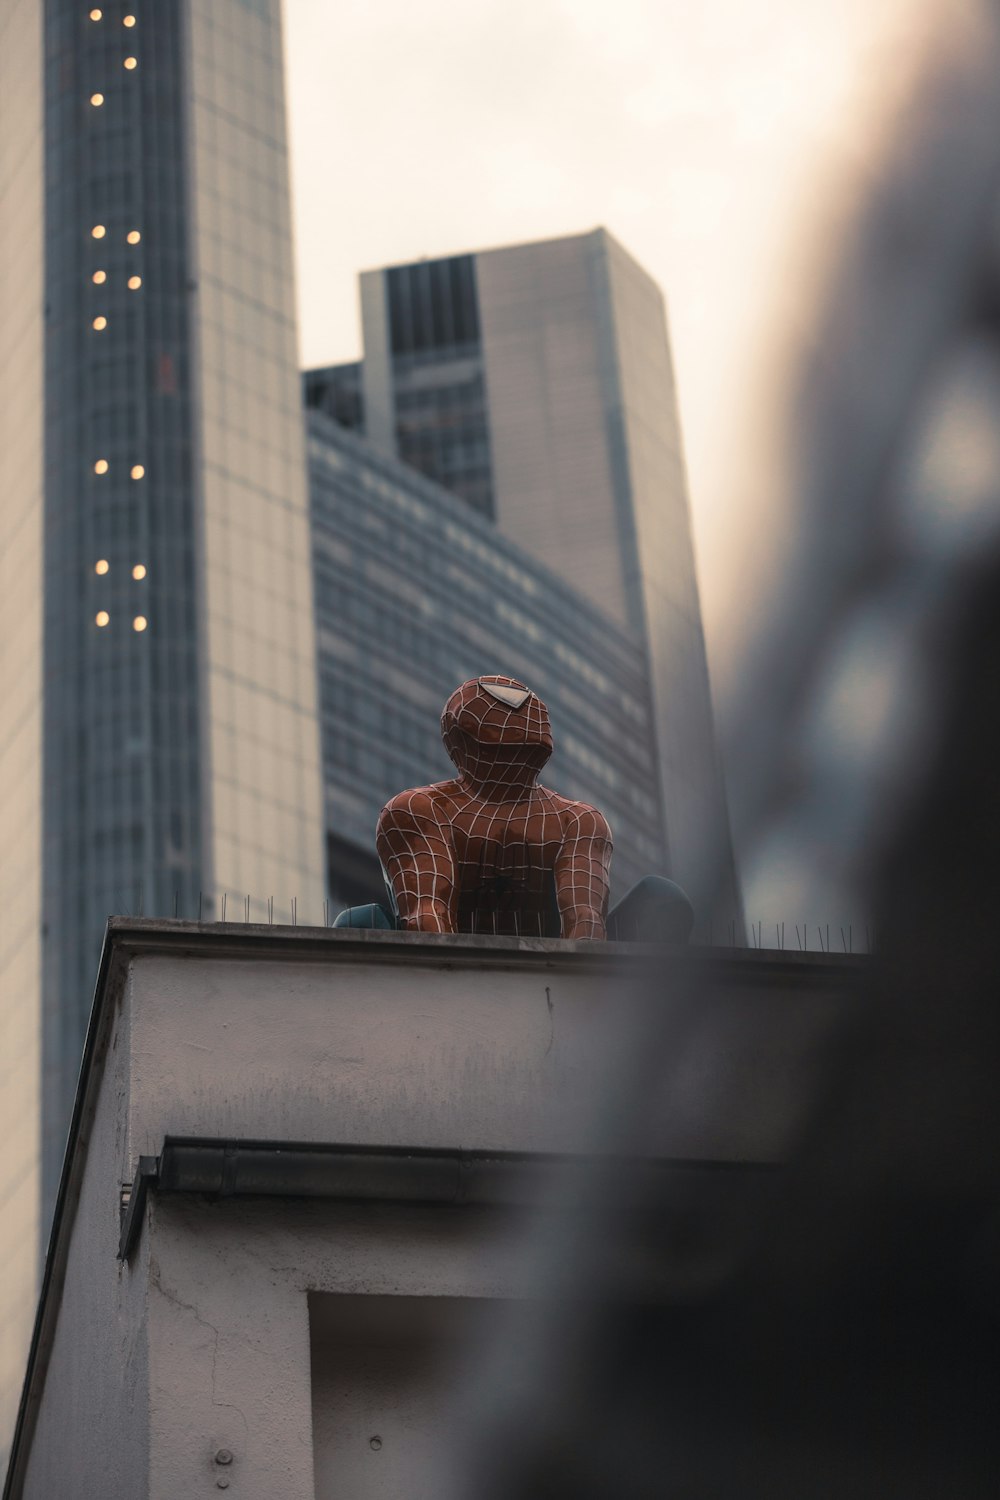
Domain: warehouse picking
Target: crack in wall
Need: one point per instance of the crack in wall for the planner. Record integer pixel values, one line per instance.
(174, 1298)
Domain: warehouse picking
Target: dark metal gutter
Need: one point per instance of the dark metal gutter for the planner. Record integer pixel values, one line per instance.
(276, 1169)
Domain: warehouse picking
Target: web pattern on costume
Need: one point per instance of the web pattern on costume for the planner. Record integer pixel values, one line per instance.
(491, 850)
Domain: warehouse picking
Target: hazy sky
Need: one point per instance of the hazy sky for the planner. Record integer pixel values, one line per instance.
(707, 135)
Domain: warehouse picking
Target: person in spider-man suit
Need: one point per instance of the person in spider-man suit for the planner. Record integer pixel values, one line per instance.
(491, 850)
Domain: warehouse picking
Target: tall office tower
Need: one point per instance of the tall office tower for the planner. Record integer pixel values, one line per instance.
(160, 741)
(535, 382)
(415, 593)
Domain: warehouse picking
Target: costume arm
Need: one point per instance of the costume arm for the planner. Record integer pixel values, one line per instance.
(582, 873)
(417, 858)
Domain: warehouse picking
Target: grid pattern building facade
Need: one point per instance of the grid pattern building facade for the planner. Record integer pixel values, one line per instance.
(572, 416)
(159, 663)
(416, 593)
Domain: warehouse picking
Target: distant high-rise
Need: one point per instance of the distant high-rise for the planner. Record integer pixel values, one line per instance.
(159, 745)
(535, 382)
(415, 593)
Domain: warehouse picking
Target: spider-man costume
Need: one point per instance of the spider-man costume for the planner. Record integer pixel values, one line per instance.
(491, 850)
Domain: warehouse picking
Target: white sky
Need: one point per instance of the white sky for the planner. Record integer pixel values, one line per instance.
(709, 136)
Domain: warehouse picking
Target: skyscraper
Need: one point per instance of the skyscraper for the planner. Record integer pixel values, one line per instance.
(535, 382)
(159, 746)
(416, 592)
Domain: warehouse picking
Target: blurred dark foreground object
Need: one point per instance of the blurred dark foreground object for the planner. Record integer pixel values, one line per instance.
(843, 1338)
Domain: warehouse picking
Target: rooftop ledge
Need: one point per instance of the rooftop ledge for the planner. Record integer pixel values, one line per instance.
(346, 1050)
(233, 939)
(390, 1041)
(469, 1041)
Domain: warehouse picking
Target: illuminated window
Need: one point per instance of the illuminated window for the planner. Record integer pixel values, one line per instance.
(101, 466)
(101, 618)
(101, 566)
(137, 471)
(130, 63)
(133, 236)
(97, 100)
(134, 283)
(129, 21)
(139, 623)
(100, 324)
(98, 231)
(99, 278)
(139, 571)
(95, 15)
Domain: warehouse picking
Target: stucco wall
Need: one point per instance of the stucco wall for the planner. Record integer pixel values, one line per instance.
(502, 1050)
(202, 1342)
(230, 1329)
(92, 1432)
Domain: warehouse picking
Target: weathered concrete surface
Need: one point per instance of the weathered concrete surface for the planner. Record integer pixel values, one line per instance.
(203, 1342)
(229, 1323)
(92, 1432)
(475, 1046)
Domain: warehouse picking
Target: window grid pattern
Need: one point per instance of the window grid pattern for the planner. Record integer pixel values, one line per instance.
(415, 594)
(122, 802)
(439, 390)
(262, 764)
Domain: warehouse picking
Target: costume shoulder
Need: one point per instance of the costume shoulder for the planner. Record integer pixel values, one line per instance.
(578, 819)
(418, 809)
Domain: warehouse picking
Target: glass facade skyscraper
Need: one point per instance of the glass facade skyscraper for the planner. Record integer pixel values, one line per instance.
(160, 746)
(536, 382)
(415, 593)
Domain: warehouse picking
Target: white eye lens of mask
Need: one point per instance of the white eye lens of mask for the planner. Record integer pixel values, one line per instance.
(512, 696)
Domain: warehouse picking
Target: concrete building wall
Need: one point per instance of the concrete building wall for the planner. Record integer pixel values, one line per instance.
(552, 476)
(451, 1052)
(589, 477)
(376, 370)
(385, 1370)
(91, 1436)
(21, 593)
(280, 1334)
(252, 1351)
(261, 776)
(645, 441)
